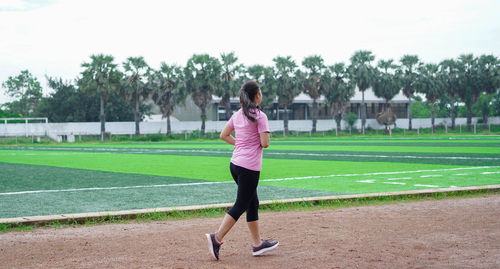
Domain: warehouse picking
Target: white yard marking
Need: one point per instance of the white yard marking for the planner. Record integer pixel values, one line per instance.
(488, 173)
(367, 181)
(117, 188)
(432, 176)
(422, 185)
(382, 173)
(395, 183)
(398, 178)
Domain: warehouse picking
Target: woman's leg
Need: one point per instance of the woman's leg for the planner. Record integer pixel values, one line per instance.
(247, 181)
(226, 225)
(253, 219)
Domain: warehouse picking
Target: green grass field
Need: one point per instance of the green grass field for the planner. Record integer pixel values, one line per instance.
(74, 178)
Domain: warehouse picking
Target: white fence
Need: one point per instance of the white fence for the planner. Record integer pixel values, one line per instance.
(56, 130)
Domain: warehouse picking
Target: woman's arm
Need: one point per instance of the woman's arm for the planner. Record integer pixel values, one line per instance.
(265, 140)
(226, 135)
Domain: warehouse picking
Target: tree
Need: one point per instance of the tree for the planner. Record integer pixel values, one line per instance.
(134, 88)
(338, 90)
(168, 89)
(449, 72)
(230, 83)
(27, 90)
(468, 89)
(431, 84)
(266, 78)
(487, 68)
(351, 119)
(202, 77)
(312, 84)
(387, 84)
(409, 64)
(288, 82)
(68, 104)
(363, 74)
(100, 77)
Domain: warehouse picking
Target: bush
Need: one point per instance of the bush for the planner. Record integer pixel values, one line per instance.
(351, 119)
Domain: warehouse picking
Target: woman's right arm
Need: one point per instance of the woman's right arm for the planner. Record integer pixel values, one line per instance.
(226, 135)
(264, 139)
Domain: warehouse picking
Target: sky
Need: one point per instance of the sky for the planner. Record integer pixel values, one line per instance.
(54, 37)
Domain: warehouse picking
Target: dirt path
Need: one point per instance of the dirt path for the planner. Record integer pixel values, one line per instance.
(462, 233)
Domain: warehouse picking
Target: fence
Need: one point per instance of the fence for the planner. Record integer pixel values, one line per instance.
(70, 129)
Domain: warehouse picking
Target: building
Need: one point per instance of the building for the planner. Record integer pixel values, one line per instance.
(301, 109)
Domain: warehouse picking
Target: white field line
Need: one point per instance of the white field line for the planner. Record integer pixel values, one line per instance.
(422, 185)
(266, 153)
(488, 173)
(225, 182)
(432, 176)
(383, 173)
(398, 178)
(117, 188)
(367, 181)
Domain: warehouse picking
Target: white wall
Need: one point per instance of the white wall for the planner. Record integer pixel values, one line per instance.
(123, 128)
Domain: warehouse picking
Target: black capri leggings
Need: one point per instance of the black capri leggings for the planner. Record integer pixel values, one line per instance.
(246, 198)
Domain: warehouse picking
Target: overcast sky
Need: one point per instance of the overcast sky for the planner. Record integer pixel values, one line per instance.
(53, 37)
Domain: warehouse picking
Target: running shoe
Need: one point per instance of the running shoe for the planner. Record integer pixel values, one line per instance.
(213, 245)
(265, 246)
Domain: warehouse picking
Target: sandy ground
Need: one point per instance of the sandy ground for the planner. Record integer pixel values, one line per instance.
(458, 233)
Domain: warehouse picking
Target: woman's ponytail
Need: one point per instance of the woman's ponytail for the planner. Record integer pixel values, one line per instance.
(247, 95)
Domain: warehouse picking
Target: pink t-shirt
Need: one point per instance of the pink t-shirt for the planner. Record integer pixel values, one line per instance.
(247, 151)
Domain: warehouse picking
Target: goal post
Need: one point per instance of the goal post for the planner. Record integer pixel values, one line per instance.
(24, 126)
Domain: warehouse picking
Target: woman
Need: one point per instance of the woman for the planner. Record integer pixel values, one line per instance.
(252, 135)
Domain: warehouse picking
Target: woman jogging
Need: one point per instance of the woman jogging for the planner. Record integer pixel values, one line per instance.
(251, 135)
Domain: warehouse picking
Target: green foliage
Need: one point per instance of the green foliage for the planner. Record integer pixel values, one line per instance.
(388, 80)
(420, 110)
(202, 78)
(100, 76)
(409, 65)
(68, 104)
(338, 89)
(351, 119)
(26, 90)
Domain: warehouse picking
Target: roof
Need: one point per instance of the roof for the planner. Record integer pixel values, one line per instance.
(304, 98)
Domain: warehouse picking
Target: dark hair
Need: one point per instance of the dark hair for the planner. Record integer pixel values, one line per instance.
(247, 95)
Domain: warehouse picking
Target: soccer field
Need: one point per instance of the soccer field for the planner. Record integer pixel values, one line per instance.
(76, 178)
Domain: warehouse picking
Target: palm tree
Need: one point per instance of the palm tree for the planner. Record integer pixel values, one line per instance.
(449, 73)
(100, 77)
(409, 65)
(363, 75)
(431, 84)
(338, 90)
(387, 84)
(468, 89)
(288, 81)
(202, 77)
(265, 76)
(487, 66)
(312, 86)
(136, 69)
(230, 84)
(167, 86)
